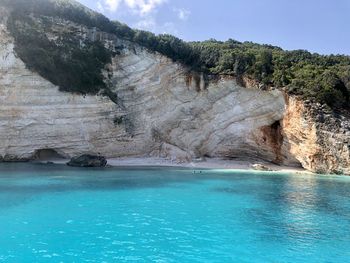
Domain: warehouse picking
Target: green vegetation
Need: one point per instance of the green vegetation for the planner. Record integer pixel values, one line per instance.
(66, 9)
(67, 62)
(324, 79)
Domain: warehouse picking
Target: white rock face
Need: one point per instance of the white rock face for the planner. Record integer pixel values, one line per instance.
(163, 110)
(167, 105)
(168, 112)
(35, 115)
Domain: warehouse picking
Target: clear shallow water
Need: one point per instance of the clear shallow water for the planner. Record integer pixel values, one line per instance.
(60, 214)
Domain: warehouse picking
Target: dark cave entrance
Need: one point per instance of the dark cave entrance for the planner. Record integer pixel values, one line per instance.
(273, 137)
(47, 154)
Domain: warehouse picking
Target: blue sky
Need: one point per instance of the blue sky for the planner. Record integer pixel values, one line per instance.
(316, 25)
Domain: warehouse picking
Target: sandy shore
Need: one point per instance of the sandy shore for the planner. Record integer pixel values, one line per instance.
(200, 164)
(206, 164)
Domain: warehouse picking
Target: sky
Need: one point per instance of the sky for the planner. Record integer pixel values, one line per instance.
(320, 26)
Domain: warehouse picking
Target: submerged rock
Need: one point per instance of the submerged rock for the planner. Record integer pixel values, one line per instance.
(88, 160)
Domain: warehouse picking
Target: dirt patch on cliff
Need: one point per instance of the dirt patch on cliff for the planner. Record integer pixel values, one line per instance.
(200, 81)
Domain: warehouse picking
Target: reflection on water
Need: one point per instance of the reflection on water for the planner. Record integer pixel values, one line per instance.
(296, 210)
(300, 199)
(170, 215)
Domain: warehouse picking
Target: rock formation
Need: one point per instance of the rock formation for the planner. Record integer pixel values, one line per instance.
(163, 109)
(87, 160)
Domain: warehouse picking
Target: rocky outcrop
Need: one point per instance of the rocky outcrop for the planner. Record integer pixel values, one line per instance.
(87, 160)
(159, 108)
(319, 140)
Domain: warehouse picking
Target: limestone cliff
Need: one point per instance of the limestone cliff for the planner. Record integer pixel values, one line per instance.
(160, 108)
(318, 138)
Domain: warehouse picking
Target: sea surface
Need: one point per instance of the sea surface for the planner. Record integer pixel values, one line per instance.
(54, 213)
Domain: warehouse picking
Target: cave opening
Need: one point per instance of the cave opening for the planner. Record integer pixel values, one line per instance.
(47, 154)
(273, 137)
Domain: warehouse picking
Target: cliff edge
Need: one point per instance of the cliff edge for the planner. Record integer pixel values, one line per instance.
(153, 106)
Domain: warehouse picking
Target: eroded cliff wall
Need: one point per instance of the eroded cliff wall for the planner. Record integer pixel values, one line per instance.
(163, 109)
(319, 139)
(35, 115)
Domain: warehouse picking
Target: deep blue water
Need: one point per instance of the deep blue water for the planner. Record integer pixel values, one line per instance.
(58, 214)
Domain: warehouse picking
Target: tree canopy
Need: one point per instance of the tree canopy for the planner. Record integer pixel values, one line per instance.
(320, 78)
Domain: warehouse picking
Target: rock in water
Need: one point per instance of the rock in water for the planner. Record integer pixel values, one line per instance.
(87, 160)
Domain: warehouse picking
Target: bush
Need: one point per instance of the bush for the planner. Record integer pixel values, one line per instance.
(65, 62)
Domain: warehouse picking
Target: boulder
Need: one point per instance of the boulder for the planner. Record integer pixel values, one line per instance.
(88, 160)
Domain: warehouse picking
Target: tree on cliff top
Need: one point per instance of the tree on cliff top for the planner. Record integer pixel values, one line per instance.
(325, 79)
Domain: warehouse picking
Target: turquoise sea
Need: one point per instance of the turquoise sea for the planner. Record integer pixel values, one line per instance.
(54, 213)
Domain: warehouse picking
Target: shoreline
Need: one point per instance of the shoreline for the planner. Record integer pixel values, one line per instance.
(209, 163)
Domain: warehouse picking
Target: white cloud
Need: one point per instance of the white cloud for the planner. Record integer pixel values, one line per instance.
(112, 5)
(182, 13)
(100, 7)
(150, 24)
(142, 7)
(144, 12)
